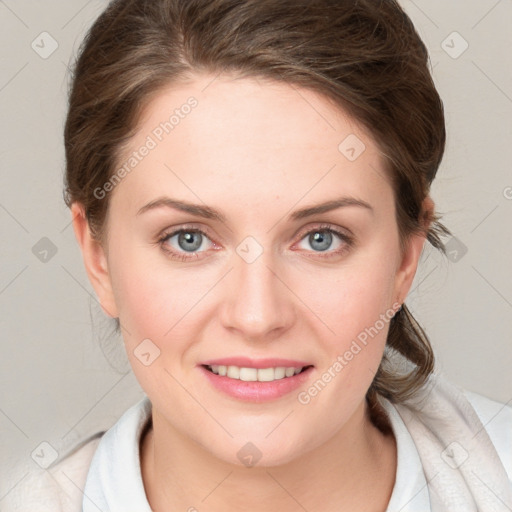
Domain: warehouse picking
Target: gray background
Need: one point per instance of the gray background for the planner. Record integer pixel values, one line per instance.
(62, 376)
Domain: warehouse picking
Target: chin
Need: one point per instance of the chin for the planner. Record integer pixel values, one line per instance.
(260, 452)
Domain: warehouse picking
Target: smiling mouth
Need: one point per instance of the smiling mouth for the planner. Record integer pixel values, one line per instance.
(256, 374)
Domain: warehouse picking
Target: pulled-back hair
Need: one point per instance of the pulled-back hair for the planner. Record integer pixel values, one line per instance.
(364, 56)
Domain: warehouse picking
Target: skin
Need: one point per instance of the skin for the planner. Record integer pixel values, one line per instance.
(256, 151)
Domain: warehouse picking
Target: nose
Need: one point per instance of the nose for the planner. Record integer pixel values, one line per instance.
(258, 305)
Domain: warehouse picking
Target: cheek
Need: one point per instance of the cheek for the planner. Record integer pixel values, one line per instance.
(155, 310)
(156, 301)
(353, 305)
(357, 307)
(351, 298)
(141, 298)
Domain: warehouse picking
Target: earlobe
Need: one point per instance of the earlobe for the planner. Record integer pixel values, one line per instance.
(95, 261)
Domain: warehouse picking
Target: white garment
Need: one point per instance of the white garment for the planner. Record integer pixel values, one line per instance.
(104, 474)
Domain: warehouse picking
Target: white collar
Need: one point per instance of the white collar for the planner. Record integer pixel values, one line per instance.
(114, 481)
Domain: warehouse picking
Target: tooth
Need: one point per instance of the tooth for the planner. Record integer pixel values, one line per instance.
(266, 374)
(233, 372)
(289, 371)
(254, 374)
(249, 374)
(279, 372)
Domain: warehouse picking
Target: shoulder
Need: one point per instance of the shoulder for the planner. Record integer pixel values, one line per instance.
(59, 488)
(496, 418)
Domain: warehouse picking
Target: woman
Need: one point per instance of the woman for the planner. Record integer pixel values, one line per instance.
(249, 183)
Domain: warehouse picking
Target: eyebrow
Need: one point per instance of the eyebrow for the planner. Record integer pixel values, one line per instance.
(328, 206)
(194, 209)
(210, 213)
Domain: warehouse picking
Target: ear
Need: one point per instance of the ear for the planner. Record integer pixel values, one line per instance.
(410, 259)
(95, 261)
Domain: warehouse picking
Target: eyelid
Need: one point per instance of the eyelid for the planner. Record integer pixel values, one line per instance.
(344, 233)
(189, 226)
(302, 232)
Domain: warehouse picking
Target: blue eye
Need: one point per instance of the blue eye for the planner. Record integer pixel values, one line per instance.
(186, 240)
(322, 238)
(190, 240)
(187, 244)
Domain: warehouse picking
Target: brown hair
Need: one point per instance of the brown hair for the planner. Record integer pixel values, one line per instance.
(362, 55)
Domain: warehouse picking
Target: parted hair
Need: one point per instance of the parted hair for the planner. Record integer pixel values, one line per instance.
(363, 56)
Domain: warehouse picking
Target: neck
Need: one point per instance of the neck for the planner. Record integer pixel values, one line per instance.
(355, 470)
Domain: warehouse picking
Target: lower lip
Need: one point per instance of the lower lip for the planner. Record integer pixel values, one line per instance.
(256, 391)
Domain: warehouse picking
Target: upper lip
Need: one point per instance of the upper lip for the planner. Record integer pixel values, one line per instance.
(246, 362)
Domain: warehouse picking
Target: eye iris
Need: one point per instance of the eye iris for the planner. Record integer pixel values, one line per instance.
(324, 238)
(192, 241)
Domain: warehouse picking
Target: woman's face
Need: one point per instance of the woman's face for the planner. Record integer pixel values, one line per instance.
(248, 277)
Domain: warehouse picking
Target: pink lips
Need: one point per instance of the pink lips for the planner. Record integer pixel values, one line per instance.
(256, 391)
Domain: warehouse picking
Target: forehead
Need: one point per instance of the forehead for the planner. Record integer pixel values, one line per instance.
(248, 138)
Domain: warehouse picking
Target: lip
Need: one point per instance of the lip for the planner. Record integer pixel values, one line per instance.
(247, 362)
(256, 391)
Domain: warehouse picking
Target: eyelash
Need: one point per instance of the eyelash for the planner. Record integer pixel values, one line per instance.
(347, 240)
